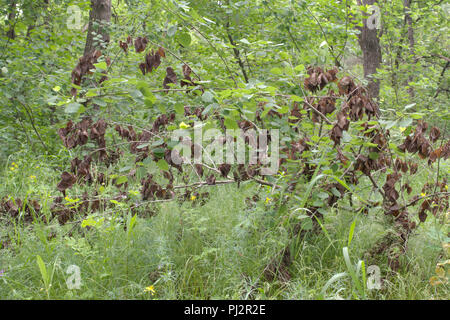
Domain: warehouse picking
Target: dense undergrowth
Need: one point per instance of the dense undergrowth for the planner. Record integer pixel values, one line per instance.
(193, 251)
(93, 206)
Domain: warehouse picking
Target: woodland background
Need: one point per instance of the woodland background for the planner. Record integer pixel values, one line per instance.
(91, 91)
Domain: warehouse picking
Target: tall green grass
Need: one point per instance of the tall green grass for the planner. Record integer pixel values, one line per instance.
(189, 251)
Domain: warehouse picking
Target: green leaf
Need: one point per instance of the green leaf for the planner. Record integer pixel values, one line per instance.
(184, 39)
(374, 155)
(333, 279)
(101, 65)
(162, 164)
(352, 272)
(346, 137)
(230, 124)
(342, 183)
(209, 108)
(172, 30)
(149, 101)
(91, 93)
(121, 180)
(369, 144)
(207, 97)
(352, 230)
(283, 109)
(296, 98)
(409, 106)
(390, 124)
(131, 224)
(136, 94)
(158, 143)
(307, 225)
(179, 108)
(100, 102)
(300, 68)
(322, 195)
(159, 152)
(417, 116)
(126, 168)
(276, 71)
(406, 122)
(74, 107)
(43, 270)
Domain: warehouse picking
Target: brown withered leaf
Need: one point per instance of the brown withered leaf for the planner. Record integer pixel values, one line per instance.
(67, 181)
(152, 61)
(211, 180)
(435, 133)
(224, 169)
(161, 52)
(85, 64)
(143, 67)
(422, 216)
(140, 44)
(174, 159)
(413, 167)
(123, 45)
(171, 77)
(169, 176)
(408, 188)
(341, 156)
(318, 79)
(199, 169)
(346, 85)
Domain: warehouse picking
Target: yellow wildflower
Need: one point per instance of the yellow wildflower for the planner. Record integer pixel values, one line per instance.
(184, 125)
(434, 281)
(446, 247)
(193, 198)
(423, 194)
(440, 270)
(268, 200)
(32, 177)
(150, 289)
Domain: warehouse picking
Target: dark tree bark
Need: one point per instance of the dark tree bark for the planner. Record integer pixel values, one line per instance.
(370, 46)
(99, 17)
(11, 33)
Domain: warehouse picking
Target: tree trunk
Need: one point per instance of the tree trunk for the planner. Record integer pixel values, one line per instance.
(11, 33)
(40, 9)
(370, 46)
(99, 18)
(409, 23)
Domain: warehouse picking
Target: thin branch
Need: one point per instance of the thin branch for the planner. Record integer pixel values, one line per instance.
(424, 197)
(32, 123)
(236, 52)
(330, 48)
